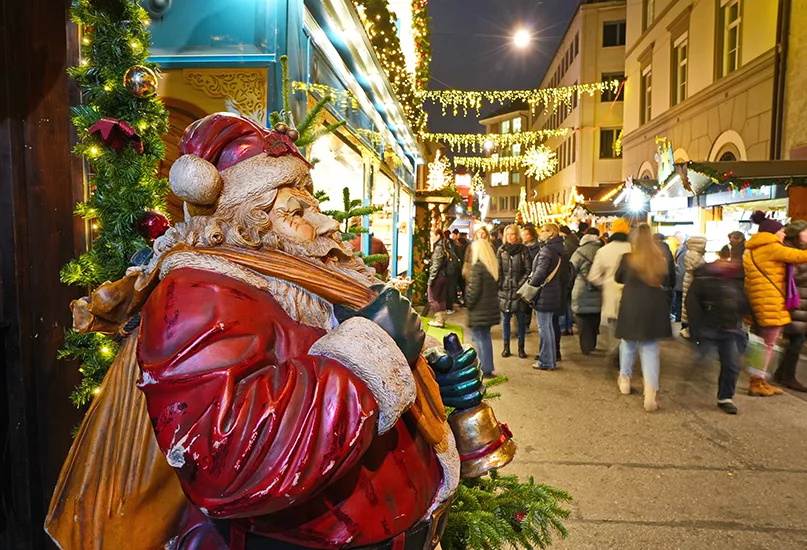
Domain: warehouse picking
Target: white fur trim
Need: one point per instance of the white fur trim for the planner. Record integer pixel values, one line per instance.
(372, 355)
(195, 180)
(301, 305)
(252, 179)
(449, 459)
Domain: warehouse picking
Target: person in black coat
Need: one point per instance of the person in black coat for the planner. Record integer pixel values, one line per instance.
(716, 307)
(546, 274)
(644, 313)
(481, 299)
(513, 272)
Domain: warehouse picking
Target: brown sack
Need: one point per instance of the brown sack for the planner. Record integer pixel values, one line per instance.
(116, 489)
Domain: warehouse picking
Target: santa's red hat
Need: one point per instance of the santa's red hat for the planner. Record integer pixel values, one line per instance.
(213, 146)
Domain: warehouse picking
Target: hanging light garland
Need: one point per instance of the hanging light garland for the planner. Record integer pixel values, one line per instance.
(475, 143)
(541, 162)
(423, 47)
(491, 164)
(546, 98)
(439, 173)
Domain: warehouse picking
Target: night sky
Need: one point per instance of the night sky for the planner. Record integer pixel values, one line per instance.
(472, 49)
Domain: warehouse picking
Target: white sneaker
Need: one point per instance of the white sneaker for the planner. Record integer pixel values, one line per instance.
(624, 384)
(450, 312)
(650, 404)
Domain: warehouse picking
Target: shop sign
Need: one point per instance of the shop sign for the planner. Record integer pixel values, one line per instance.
(744, 194)
(663, 204)
(689, 215)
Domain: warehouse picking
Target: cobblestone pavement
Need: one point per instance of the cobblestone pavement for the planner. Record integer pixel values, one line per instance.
(685, 477)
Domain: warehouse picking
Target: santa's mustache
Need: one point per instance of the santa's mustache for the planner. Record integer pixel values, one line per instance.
(321, 248)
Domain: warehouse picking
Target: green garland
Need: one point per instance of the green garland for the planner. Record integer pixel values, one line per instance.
(722, 181)
(379, 23)
(123, 183)
(423, 47)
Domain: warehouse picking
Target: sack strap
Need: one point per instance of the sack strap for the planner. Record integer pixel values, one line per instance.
(766, 276)
(552, 275)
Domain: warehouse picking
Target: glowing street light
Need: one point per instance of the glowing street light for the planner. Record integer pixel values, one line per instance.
(522, 38)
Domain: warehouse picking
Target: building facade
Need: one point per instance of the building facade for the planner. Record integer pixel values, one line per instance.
(218, 57)
(504, 189)
(703, 75)
(592, 50)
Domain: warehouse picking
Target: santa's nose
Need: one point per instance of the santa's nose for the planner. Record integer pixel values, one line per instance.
(325, 225)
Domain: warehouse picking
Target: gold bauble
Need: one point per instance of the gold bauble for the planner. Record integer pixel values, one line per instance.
(140, 81)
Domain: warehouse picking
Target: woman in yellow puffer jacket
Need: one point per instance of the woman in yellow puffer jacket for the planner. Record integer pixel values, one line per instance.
(765, 263)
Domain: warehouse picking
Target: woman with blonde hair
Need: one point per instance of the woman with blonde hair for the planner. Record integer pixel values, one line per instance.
(644, 313)
(513, 272)
(481, 301)
(546, 275)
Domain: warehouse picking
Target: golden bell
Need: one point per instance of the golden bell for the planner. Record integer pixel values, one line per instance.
(483, 442)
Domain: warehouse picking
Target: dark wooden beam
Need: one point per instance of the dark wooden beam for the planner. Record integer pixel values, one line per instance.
(38, 235)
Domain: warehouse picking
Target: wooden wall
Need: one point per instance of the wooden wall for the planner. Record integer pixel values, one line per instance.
(40, 182)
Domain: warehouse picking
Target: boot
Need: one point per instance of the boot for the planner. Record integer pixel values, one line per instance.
(795, 385)
(439, 320)
(650, 404)
(506, 350)
(773, 389)
(624, 384)
(757, 387)
(521, 353)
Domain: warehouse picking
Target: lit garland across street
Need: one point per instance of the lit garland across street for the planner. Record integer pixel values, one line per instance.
(545, 98)
(541, 162)
(475, 142)
(485, 164)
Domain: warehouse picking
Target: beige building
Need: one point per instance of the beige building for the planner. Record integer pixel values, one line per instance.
(703, 75)
(592, 49)
(504, 188)
(795, 114)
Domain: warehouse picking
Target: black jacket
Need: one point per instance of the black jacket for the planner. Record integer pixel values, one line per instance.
(716, 299)
(513, 272)
(437, 267)
(480, 298)
(669, 279)
(644, 313)
(552, 296)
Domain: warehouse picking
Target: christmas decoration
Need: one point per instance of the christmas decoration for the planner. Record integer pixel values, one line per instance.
(122, 183)
(491, 164)
(546, 98)
(152, 225)
(541, 162)
(379, 23)
(440, 174)
(423, 48)
(319, 331)
(140, 81)
(116, 134)
(478, 142)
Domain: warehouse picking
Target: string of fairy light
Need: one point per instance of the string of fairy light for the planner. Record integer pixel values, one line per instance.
(480, 142)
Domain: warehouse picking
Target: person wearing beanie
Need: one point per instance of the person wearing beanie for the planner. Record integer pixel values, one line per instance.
(796, 331)
(602, 273)
(765, 263)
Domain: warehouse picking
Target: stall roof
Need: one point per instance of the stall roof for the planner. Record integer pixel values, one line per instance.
(702, 175)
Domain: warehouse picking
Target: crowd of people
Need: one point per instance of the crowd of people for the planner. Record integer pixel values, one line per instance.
(633, 284)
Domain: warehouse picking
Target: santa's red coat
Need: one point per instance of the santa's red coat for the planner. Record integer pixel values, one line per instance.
(258, 429)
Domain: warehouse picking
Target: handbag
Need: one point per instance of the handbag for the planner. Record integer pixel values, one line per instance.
(530, 293)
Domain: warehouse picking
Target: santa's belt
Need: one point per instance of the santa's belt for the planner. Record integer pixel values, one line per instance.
(423, 536)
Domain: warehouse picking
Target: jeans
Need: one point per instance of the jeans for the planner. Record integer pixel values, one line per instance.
(728, 350)
(790, 358)
(437, 295)
(588, 325)
(521, 320)
(649, 355)
(547, 344)
(480, 336)
(556, 330)
(567, 320)
(678, 302)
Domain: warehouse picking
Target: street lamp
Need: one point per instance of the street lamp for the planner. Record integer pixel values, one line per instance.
(522, 39)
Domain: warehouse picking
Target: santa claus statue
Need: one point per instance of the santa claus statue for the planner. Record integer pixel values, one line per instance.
(286, 389)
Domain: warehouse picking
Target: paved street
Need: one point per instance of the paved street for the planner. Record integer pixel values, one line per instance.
(686, 477)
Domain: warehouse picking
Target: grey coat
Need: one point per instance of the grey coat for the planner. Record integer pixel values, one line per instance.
(586, 297)
(513, 272)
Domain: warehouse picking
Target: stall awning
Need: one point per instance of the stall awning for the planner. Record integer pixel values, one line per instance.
(698, 178)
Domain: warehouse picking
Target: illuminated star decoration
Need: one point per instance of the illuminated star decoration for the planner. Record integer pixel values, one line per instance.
(540, 162)
(438, 169)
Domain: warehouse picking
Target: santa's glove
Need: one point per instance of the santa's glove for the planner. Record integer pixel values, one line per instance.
(394, 314)
(457, 372)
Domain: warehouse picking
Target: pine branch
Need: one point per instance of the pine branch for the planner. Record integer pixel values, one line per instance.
(284, 68)
(311, 118)
(373, 259)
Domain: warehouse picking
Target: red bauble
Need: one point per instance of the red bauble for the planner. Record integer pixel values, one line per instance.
(152, 224)
(520, 516)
